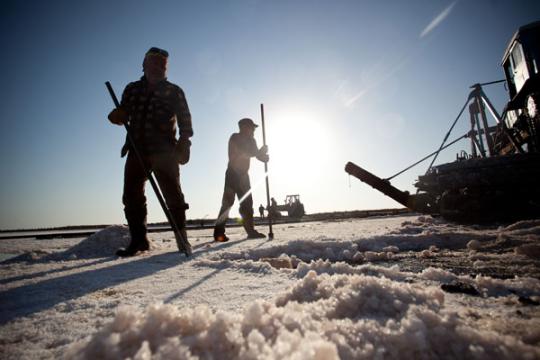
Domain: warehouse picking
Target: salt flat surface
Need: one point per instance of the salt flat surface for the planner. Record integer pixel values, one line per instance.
(389, 287)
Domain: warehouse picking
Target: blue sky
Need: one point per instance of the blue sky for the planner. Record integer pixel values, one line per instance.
(374, 82)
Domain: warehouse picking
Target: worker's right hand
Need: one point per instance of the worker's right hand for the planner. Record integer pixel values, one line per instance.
(182, 150)
(118, 116)
(263, 157)
(263, 149)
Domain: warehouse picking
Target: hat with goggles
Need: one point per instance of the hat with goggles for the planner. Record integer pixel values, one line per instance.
(157, 51)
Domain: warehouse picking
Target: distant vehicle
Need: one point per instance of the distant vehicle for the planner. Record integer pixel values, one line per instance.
(292, 205)
(499, 179)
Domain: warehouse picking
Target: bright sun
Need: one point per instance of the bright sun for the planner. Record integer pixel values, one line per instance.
(298, 146)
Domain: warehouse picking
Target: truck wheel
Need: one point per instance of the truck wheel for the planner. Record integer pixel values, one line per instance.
(533, 105)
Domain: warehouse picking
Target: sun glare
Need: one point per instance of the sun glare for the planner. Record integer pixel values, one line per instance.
(298, 145)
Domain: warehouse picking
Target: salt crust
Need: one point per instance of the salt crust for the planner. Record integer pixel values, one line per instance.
(335, 309)
(320, 317)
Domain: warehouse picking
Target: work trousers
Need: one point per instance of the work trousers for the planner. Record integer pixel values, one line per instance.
(167, 174)
(236, 184)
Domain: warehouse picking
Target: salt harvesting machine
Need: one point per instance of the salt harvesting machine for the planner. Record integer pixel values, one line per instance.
(500, 178)
(292, 205)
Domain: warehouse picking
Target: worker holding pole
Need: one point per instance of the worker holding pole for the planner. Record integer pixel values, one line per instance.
(153, 107)
(242, 147)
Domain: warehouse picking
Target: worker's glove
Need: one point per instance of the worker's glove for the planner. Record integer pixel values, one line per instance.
(263, 154)
(263, 157)
(182, 150)
(118, 116)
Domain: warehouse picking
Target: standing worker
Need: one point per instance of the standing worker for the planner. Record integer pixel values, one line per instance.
(273, 213)
(153, 106)
(242, 147)
(261, 211)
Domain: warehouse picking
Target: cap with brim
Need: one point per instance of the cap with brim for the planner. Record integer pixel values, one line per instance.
(247, 122)
(157, 51)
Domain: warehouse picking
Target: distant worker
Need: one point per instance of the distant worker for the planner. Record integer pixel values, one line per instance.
(261, 211)
(272, 211)
(153, 107)
(242, 147)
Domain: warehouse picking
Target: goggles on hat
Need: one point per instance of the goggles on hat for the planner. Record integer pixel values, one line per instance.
(157, 51)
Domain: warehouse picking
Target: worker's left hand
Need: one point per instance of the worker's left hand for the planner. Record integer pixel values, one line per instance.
(182, 150)
(263, 149)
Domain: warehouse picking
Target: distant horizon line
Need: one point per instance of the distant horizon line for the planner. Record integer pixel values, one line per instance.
(195, 220)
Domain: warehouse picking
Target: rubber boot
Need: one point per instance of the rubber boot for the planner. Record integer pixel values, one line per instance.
(219, 233)
(137, 229)
(250, 229)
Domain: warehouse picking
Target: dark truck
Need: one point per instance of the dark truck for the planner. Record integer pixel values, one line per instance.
(499, 179)
(521, 63)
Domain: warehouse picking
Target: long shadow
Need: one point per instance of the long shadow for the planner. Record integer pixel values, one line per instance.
(20, 258)
(52, 271)
(262, 243)
(217, 246)
(214, 245)
(191, 287)
(29, 299)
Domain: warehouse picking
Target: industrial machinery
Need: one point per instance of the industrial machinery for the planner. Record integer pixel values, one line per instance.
(292, 205)
(500, 178)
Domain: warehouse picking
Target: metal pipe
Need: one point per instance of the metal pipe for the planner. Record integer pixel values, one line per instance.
(376, 182)
(498, 118)
(490, 107)
(473, 136)
(473, 108)
(487, 135)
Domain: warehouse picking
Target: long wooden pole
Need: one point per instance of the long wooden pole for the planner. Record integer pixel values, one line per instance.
(270, 234)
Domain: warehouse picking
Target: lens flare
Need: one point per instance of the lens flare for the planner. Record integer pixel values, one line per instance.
(225, 215)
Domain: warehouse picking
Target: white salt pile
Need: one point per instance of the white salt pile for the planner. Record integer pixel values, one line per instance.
(321, 317)
(395, 291)
(100, 244)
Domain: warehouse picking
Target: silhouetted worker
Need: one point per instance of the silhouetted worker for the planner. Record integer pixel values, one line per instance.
(272, 212)
(153, 107)
(261, 211)
(242, 147)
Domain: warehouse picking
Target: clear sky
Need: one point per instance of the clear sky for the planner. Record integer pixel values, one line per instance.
(374, 82)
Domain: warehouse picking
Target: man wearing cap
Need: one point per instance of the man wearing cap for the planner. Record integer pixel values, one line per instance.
(242, 147)
(153, 107)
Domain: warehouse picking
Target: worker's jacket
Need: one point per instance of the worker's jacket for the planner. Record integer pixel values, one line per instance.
(241, 149)
(153, 116)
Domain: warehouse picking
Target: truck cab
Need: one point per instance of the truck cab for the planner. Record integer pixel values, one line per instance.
(521, 64)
